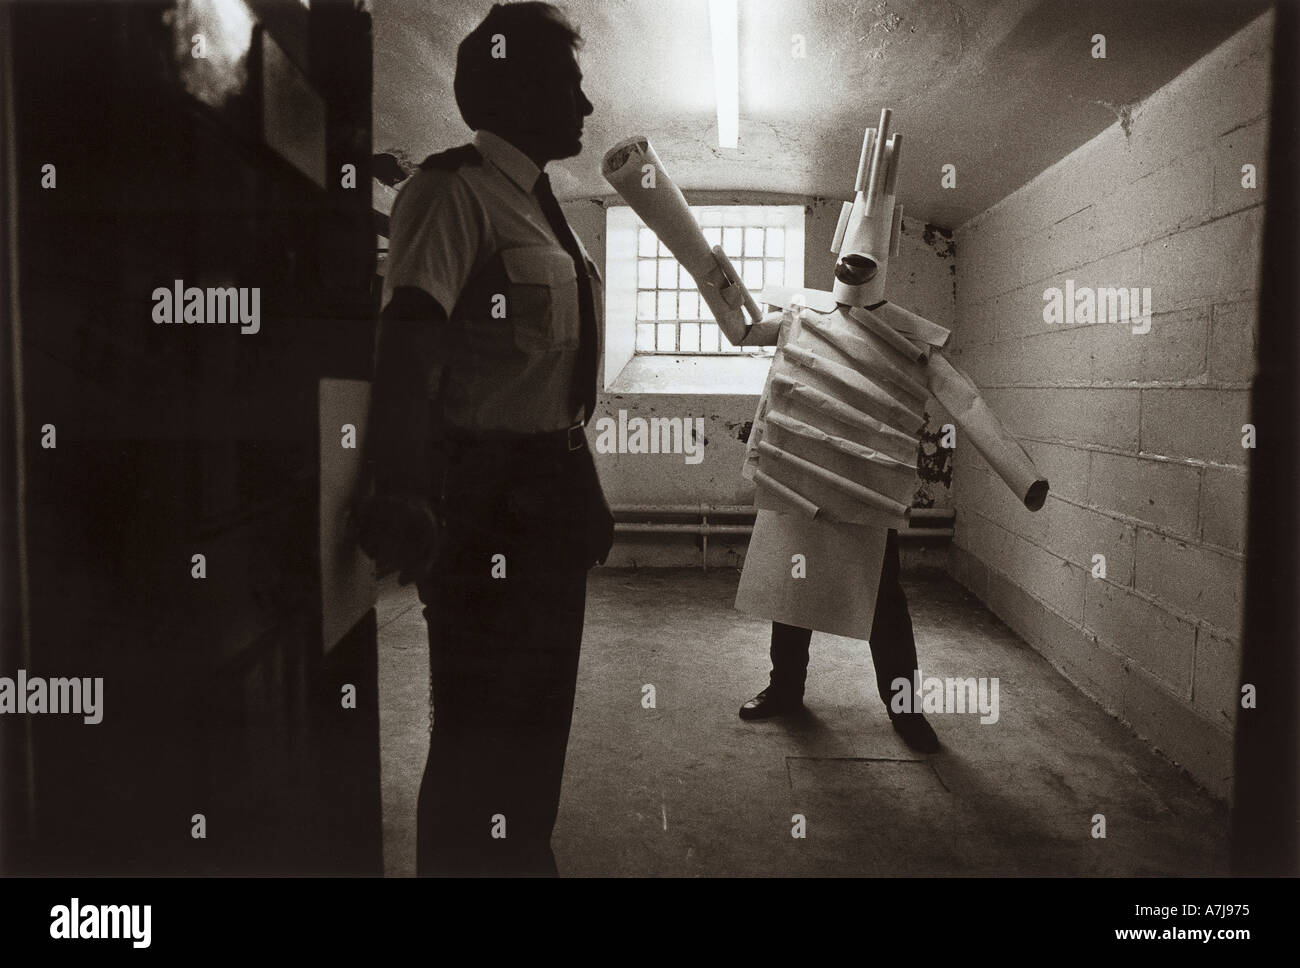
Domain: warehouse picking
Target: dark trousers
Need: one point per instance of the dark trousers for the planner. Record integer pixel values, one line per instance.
(505, 607)
(893, 647)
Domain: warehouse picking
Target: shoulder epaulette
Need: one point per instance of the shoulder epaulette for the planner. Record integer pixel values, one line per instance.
(452, 159)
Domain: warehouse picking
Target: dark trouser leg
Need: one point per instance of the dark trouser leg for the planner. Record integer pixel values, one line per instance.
(893, 647)
(503, 656)
(789, 654)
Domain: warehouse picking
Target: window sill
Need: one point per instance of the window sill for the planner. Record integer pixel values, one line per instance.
(736, 375)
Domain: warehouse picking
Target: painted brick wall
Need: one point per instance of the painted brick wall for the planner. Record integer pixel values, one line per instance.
(1139, 434)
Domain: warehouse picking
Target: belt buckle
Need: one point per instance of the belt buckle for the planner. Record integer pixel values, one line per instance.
(575, 437)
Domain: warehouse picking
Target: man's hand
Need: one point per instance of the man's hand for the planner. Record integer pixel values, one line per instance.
(400, 532)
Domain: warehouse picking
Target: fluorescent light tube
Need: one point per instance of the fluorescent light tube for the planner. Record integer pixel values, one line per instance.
(725, 34)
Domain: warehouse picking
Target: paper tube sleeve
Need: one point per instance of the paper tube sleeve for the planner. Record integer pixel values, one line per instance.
(870, 355)
(961, 398)
(660, 203)
(854, 388)
(892, 337)
(911, 325)
(836, 498)
(781, 498)
(812, 406)
(863, 465)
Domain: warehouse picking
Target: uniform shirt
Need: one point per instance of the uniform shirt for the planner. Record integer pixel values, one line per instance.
(476, 240)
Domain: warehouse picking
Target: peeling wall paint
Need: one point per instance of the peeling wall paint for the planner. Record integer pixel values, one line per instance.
(1123, 114)
(933, 467)
(945, 247)
(940, 240)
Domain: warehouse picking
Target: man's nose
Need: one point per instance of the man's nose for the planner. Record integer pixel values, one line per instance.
(587, 106)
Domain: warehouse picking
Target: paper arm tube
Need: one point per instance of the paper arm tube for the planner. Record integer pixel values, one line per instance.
(799, 398)
(887, 333)
(872, 357)
(857, 389)
(784, 498)
(981, 427)
(911, 325)
(637, 174)
(838, 497)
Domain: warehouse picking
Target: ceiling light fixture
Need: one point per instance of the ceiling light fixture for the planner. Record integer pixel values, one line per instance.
(725, 33)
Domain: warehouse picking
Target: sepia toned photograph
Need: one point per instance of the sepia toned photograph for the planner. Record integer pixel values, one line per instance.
(648, 439)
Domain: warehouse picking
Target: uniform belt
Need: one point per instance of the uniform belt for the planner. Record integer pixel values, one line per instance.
(570, 439)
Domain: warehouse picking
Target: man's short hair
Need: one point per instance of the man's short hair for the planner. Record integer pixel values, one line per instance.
(535, 35)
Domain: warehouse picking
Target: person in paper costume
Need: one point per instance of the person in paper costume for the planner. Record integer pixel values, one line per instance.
(833, 454)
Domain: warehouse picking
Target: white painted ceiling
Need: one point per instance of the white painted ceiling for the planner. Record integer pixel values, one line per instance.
(999, 88)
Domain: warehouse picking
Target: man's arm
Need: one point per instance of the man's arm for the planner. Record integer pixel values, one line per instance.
(406, 370)
(436, 228)
(398, 526)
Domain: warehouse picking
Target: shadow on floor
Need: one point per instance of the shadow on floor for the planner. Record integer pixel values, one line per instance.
(687, 788)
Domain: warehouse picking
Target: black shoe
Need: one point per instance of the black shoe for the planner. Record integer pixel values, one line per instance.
(770, 703)
(916, 732)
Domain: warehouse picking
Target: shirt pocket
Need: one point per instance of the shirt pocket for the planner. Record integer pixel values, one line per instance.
(541, 297)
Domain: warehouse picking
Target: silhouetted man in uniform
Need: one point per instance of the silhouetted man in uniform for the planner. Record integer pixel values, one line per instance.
(485, 491)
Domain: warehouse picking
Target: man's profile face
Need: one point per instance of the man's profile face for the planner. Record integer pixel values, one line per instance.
(551, 110)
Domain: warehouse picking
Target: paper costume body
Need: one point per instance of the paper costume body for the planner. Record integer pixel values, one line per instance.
(833, 448)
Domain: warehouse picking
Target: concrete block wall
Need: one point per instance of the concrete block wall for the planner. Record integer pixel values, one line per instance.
(1140, 435)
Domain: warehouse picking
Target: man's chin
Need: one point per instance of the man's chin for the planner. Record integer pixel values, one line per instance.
(557, 150)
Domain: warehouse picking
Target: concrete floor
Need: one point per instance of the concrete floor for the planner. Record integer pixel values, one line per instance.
(689, 789)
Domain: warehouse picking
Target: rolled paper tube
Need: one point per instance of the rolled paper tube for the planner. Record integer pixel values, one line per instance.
(856, 451)
(841, 225)
(864, 160)
(978, 424)
(781, 498)
(718, 285)
(662, 206)
(811, 406)
(878, 327)
(853, 224)
(875, 175)
(874, 398)
(883, 174)
(663, 209)
(910, 324)
(725, 296)
(758, 427)
(836, 497)
(884, 441)
(868, 232)
(847, 384)
(869, 355)
(891, 174)
(862, 465)
(755, 313)
(785, 467)
(896, 231)
(867, 235)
